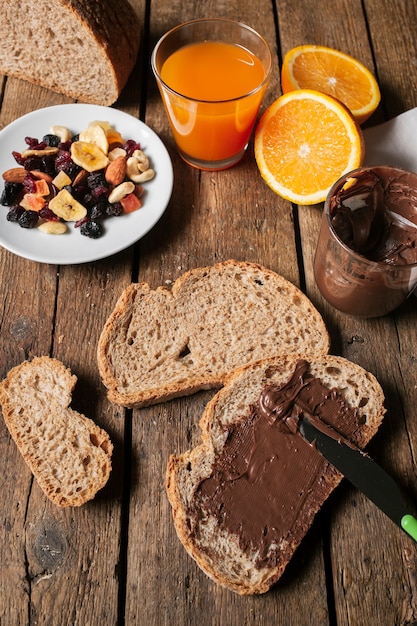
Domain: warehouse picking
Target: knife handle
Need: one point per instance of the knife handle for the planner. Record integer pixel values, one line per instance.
(409, 524)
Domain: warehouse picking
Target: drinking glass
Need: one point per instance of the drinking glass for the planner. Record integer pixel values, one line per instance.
(213, 90)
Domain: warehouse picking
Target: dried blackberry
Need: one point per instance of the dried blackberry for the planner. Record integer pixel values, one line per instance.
(98, 210)
(32, 163)
(14, 213)
(96, 179)
(52, 141)
(28, 219)
(11, 193)
(91, 229)
(114, 210)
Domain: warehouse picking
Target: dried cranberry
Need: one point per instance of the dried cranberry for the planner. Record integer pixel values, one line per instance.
(46, 214)
(18, 158)
(64, 145)
(29, 183)
(130, 146)
(80, 222)
(32, 142)
(28, 219)
(62, 160)
(35, 144)
(91, 229)
(14, 213)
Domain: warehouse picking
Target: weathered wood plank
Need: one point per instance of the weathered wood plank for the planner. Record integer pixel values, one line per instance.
(60, 566)
(372, 560)
(212, 217)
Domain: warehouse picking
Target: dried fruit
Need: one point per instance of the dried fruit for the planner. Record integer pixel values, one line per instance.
(66, 206)
(28, 219)
(11, 193)
(39, 152)
(131, 203)
(67, 177)
(88, 156)
(32, 202)
(96, 135)
(61, 180)
(91, 229)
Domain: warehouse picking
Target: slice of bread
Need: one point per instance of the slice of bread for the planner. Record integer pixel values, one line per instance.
(85, 49)
(68, 454)
(244, 568)
(164, 343)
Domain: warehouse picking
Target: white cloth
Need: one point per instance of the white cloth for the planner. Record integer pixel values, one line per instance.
(393, 142)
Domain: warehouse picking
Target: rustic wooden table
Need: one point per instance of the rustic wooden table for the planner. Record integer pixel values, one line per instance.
(117, 560)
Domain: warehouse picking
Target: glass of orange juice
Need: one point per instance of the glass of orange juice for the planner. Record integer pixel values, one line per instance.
(212, 75)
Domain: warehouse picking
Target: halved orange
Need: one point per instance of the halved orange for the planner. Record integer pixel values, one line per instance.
(304, 142)
(332, 72)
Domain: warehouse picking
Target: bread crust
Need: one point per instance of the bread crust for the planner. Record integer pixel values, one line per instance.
(164, 343)
(217, 554)
(68, 454)
(105, 34)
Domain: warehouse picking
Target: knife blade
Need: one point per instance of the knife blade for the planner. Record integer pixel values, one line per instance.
(361, 471)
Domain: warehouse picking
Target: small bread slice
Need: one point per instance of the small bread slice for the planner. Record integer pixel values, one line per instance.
(165, 343)
(85, 49)
(217, 550)
(68, 454)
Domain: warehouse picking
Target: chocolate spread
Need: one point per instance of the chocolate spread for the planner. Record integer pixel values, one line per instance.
(373, 211)
(268, 482)
(375, 214)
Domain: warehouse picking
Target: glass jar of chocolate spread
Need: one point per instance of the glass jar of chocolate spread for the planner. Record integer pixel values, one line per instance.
(366, 257)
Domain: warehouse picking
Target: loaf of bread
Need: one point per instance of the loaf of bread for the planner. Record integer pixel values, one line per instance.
(164, 343)
(85, 49)
(243, 500)
(68, 454)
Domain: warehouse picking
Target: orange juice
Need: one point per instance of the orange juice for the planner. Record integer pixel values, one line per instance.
(218, 90)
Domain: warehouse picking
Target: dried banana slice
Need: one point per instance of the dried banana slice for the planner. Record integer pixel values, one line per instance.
(66, 206)
(88, 156)
(96, 135)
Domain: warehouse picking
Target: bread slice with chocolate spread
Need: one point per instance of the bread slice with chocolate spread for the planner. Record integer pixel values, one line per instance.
(68, 454)
(164, 343)
(85, 49)
(244, 498)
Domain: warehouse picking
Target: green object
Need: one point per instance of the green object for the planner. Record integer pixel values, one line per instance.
(409, 524)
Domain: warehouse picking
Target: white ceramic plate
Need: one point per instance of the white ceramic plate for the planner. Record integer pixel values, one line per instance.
(120, 232)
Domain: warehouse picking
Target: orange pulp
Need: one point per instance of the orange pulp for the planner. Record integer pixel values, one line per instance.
(216, 100)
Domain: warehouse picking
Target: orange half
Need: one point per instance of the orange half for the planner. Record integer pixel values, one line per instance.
(304, 142)
(332, 72)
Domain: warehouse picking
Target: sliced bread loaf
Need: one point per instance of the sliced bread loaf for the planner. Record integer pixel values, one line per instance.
(164, 343)
(85, 49)
(69, 455)
(244, 498)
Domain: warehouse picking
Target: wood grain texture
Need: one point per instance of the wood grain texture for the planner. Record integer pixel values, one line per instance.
(117, 560)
